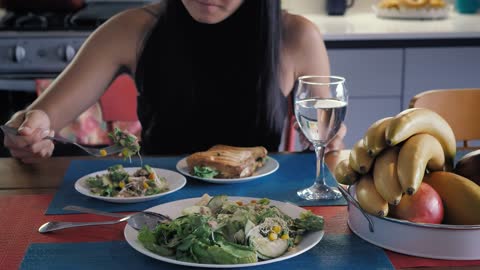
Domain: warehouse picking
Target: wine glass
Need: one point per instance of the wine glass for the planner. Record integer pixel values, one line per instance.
(320, 108)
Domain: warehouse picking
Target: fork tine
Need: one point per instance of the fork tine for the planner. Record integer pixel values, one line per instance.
(158, 215)
(113, 149)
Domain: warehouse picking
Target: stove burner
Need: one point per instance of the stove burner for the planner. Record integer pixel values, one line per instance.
(36, 21)
(32, 21)
(87, 18)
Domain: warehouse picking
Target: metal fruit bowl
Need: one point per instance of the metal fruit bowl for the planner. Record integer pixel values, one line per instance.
(436, 241)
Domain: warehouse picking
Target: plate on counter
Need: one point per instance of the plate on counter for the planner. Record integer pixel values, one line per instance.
(175, 182)
(173, 210)
(413, 13)
(270, 166)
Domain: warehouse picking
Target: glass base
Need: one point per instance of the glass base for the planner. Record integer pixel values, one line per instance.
(319, 192)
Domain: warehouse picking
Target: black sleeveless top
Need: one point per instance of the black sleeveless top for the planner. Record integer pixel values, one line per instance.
(197, 86)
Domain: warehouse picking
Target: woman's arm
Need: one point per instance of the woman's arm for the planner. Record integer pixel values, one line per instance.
(111, 47)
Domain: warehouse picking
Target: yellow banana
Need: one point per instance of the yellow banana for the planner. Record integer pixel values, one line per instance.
(360, 161)
(419, 152)
(344, 173)
(420, 120)
(385, 176)
(460, 197)
(374, 139)
(369, 198)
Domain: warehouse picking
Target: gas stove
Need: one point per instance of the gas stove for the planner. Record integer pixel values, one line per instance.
(42, 44)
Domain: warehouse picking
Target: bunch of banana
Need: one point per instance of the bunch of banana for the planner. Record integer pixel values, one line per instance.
(395, 154)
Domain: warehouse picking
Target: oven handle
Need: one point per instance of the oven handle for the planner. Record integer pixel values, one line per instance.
(19, 85)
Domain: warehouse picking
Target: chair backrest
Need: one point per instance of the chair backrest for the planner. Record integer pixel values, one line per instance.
(459, 107)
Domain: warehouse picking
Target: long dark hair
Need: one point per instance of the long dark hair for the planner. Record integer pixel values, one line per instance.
(247, 45)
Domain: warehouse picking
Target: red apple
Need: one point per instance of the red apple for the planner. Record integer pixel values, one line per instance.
(425, 206)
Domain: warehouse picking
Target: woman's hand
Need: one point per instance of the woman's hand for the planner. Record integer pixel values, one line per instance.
(29, 145)
(335, 144)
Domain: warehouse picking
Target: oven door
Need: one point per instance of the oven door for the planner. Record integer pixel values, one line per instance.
(18, 85)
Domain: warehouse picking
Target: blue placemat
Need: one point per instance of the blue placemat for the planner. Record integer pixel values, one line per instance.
(333, 252)
(296, 171)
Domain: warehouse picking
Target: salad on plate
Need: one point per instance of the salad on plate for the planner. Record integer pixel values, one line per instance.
(217, 230)
(117, 182)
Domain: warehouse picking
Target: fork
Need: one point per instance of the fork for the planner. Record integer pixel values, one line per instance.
(82, 209)
(98, 152)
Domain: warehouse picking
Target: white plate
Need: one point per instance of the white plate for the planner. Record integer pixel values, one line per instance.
(173, 209)
(270, 166)
(412, 13)
(436, 241)
(175, 182)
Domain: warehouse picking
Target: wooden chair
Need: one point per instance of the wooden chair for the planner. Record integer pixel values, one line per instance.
(459, 107)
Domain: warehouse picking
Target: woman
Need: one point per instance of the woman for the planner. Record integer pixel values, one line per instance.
(207, 72)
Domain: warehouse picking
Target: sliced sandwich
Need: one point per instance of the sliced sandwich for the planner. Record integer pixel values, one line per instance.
(224, 161)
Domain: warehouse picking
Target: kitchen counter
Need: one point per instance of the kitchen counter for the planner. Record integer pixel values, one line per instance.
(365, 26)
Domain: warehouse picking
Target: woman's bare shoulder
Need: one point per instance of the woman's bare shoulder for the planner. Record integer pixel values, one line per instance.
(304, 47)
(299, 32)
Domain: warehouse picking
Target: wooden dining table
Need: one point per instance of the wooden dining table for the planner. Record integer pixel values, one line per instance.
(18, 180)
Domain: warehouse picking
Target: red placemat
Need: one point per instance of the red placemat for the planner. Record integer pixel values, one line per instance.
(21, 217)
(23, 214)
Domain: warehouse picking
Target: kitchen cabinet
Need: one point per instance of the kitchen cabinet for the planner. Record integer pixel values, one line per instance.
(440, 68)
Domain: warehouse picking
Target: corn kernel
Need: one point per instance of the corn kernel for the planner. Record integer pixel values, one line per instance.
(121, 184)
(103, 152)
(145, 185)
(285, 237)
(272, 236)
(277, 229)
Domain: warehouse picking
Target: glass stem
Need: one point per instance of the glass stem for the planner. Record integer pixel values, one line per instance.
(320, 175)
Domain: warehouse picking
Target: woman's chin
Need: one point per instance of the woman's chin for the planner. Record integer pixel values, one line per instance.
(208, 19)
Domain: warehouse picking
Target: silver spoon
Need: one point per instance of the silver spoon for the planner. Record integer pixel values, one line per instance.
(137, 221)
